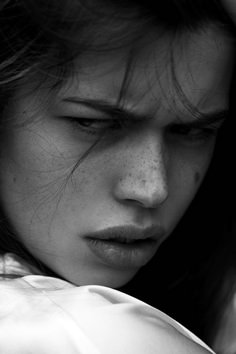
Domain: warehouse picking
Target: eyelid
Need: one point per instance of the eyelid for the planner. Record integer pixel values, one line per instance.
(123, 122)
(89, 119)
(92, 119)
(125, 116)
(102, 124)
(200, 125)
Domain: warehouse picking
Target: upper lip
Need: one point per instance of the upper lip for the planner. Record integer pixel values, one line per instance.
(128, 233)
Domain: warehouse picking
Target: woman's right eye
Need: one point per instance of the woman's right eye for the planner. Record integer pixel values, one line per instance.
(94, 126)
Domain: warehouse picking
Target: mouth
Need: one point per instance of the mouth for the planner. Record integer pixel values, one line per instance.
(126, 241)
(125, 247)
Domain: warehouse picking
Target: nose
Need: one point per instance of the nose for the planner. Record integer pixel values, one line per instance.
(143, 180)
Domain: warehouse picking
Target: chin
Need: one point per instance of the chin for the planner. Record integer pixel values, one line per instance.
(111, 278)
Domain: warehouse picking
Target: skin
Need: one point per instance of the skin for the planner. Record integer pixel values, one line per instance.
(230, 7)
(143, 175)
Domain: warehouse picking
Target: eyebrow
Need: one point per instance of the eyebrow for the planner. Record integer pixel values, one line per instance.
(114, 110)
(111, 109)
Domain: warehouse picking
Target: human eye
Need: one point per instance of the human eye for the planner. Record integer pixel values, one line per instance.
(94, 126)
(194, 135)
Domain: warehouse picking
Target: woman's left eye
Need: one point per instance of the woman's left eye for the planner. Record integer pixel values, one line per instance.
(191, 134)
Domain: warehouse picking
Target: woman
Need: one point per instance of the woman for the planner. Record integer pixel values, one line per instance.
(110, 114)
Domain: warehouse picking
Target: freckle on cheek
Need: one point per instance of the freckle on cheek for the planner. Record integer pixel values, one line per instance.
(197, 177)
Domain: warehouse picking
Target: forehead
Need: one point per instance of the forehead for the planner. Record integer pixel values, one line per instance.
(200, 63)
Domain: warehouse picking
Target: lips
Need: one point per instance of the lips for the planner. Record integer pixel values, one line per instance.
(125, 246)
(126, 241)
(128, 233)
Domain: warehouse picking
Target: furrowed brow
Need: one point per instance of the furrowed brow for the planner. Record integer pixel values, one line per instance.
(114, 110)
(108, 108)
(207, 119)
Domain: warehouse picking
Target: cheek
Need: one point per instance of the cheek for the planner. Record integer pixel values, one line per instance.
(187, 186)
(186, 175)
(197, 178)
(32, 183)
(195, 174)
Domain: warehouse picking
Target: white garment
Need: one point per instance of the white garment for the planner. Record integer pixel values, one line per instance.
(45, 315)
(225, 339)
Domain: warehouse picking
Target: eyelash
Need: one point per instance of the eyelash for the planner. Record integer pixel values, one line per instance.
(111, 124)
(116, 125)
(195, 134)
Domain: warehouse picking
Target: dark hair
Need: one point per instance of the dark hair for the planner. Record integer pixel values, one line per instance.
(43, 37)
(47, 35)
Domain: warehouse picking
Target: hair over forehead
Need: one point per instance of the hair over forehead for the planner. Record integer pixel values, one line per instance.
(40, 38)
(35, 20)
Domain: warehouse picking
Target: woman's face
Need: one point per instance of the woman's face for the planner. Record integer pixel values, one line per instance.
(101, 221)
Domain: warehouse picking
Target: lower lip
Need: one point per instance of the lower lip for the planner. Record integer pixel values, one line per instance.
(122, 255)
